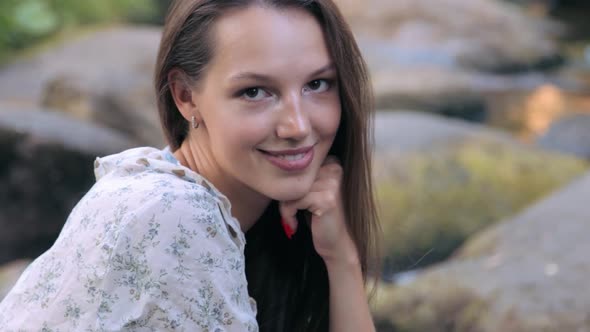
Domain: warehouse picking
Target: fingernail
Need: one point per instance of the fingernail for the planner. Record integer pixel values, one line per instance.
(288, 230)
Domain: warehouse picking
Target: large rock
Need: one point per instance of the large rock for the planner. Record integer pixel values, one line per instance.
(440, 180)
(46, 166)
(444, 57)
(409, 131)
(528, 273)
(452, 92)
(482, 34)
(570, 135)
(103, 77)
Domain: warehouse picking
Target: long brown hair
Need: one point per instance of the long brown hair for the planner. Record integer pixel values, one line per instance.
(288, 279)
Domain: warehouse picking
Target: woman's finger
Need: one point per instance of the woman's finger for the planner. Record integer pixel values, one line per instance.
(317, 203)
(322, 196)
(314, 202)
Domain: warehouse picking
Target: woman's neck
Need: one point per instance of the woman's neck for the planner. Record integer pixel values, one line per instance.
(247, 206)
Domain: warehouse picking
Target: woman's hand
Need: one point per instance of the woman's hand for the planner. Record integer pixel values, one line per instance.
(349, 310)
(328, 223)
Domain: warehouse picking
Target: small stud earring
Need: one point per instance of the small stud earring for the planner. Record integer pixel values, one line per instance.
(194, 122)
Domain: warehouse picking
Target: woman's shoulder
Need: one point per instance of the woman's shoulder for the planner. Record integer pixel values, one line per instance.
(147, 173)
(143, 184)
(143, 235)
(137, 163)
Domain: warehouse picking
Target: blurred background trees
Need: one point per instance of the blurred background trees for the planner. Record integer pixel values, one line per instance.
(24, 23)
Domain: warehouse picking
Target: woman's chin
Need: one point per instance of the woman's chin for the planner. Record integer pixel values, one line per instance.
(290, 194)
(287, 189)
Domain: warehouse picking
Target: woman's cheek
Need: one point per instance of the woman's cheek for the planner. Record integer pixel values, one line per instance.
(328, 125)
(331, 112)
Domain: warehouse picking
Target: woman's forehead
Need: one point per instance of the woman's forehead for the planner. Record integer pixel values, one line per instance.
(269, 41)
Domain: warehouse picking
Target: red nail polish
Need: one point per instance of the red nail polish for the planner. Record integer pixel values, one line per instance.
(287, 229)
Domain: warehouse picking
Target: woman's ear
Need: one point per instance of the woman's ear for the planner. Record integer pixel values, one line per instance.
(182, 94)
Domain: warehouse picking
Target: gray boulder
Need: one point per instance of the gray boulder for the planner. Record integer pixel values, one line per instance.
(439, 180)
(101, 77)
(528, 273)
(46, 167)
(409, 131)
(457, 32)
(570, 135)
(443, 57)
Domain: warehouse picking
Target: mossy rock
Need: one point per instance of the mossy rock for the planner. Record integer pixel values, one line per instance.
(527, 273)
(434, 303)
(426, 306)
(433, 199)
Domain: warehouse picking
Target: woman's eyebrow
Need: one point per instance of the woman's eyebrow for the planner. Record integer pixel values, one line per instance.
(251, 76)
(265, 78)
(329, 67)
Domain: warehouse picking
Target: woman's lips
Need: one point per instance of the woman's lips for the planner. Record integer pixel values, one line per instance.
(290, 160)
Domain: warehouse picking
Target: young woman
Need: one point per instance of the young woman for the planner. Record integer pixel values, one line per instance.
(258, 216)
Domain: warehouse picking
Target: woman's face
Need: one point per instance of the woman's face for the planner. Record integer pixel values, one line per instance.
(269, 101)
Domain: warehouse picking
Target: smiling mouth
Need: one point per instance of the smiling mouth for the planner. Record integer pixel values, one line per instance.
(290, 160)
(286, 156)
(290, 152)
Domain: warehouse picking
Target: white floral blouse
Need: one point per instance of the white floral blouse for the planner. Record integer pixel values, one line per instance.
(151, 247)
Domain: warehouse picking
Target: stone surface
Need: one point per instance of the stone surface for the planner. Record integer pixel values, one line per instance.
(406, 131)
(528, 273)
(46, 165)
(569, 135)
(439, 181)
(450, 57)
(481, 34)
(104, 77)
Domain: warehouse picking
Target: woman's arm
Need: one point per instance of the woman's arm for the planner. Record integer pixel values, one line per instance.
(349, 310)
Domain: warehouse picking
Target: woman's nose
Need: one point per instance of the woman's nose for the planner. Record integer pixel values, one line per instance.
(294, 120)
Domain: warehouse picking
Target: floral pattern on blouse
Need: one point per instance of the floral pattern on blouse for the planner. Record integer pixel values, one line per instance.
(152, 246)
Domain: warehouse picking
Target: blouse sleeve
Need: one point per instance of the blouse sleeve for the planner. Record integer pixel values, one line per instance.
(175, 267)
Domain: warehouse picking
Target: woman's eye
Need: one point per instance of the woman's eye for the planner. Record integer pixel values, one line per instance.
(318, 85)
(254, 94)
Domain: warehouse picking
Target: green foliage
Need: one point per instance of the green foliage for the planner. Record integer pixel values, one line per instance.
(95, 11)
(431, 201)
(25, 22)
